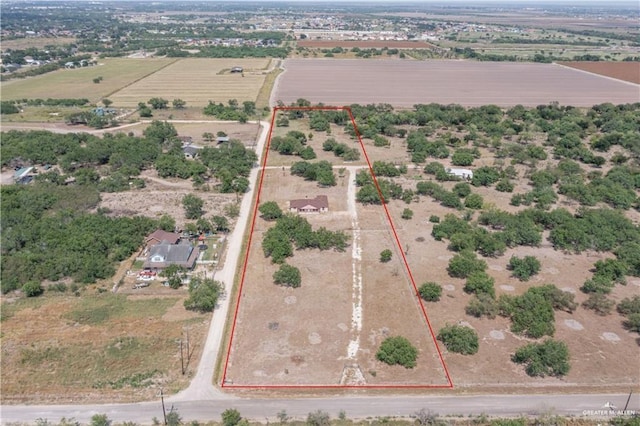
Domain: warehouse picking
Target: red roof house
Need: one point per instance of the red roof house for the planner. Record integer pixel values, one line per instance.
(319, 204)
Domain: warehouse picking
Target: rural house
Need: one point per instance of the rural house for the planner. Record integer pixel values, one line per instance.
(461, 173)
(165, 254)
(158, 236)
(190, 151)
(319, 204)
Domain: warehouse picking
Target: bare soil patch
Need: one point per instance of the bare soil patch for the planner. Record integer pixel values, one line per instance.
(468, 83)
(627, 71)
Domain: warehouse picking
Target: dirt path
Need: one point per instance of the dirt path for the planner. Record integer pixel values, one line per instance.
(184, 184)
(356, 254)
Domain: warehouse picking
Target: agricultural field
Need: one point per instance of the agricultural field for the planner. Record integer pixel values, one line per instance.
(77, 83)
(198, 81)
(345, 82)
(272, 347)
(627, 71)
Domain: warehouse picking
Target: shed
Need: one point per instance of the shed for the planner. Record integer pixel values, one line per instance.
(461, 173)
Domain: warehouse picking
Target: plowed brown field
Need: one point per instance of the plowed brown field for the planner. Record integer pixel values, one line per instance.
(406, 83)
(627, 71)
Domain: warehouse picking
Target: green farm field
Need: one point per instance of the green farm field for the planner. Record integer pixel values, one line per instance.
(78, 83)
(197, 81)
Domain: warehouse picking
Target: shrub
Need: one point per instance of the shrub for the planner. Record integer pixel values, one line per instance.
(524, 268)
(464, 264)
(430, 291)
(231, 417)
(629, 306)
(397, 350)
(434, 219)
(504, 185)
(385, 255)
(288, 276)
(599, 303)
(318, 418)
(462, 189)
(474, 201)
(532, 315)
(479, 282)
(632, 323)
(459, 339)
(550, 358)
(32, 289)
(407, 214)
(482, 305)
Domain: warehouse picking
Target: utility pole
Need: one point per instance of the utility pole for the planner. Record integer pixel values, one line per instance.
(164, 412)
(181, 359)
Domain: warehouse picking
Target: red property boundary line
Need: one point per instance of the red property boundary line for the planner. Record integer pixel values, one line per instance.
(224, 383)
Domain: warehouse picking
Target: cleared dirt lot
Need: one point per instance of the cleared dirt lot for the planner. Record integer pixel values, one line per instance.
(627, 71)
(327, 331)
(468, 83)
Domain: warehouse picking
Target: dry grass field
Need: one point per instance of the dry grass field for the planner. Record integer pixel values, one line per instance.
(468, 83)
(197, 81)
(97, 347)
(78, 83)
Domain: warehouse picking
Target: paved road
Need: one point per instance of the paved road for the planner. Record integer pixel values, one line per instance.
(201, 387)
(354, 406)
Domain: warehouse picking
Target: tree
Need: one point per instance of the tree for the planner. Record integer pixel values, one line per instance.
(231, 417)
(270, 210)
(32, 289)
(397, 350)
(106, 102)
(193, 206)
(174, 274)
(524, 268)
(459, 339)
(220, 223)
(207, 136)
(479, 282)
(474, 201)
(430, 291)
(203, 294)
(288, 276)
(179, 103)
(385, 255)
(240, 185)
(407, 214)
(550, 358)
(464, 264)
(158, 103)
(462, 157)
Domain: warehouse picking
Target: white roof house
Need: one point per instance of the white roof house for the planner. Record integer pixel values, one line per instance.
(461, 173)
